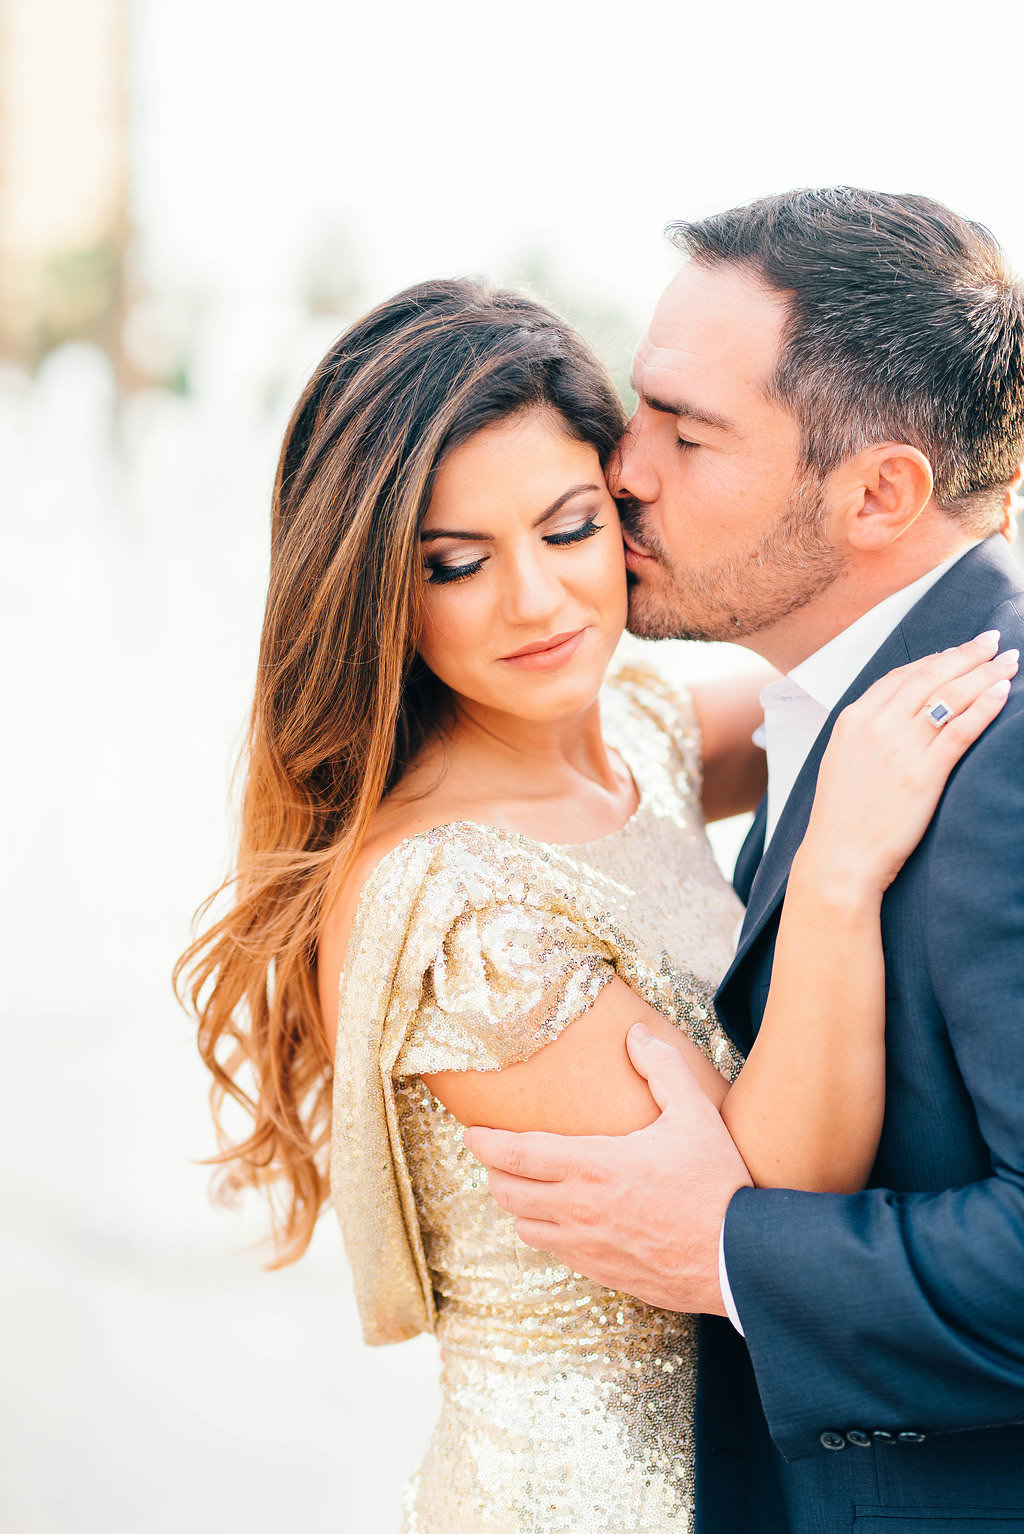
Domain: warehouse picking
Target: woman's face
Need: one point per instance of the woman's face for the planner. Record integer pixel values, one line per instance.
(525, 581)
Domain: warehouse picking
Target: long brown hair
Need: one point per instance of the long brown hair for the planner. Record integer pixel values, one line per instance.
(342, 702)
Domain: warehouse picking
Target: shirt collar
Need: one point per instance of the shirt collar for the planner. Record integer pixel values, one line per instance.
(827, 674)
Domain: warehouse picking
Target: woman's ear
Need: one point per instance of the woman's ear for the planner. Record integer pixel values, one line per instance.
(880, 492)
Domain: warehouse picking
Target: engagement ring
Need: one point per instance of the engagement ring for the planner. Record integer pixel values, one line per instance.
(939, 713)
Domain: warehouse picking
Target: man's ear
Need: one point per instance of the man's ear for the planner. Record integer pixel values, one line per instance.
(1012, 506)
(880, 492)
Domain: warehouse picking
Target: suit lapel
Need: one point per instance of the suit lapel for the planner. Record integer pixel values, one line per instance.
(750, 854)
(953, 611)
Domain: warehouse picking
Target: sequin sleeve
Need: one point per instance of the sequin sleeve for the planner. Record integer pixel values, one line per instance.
(464, 955)
(507, 977)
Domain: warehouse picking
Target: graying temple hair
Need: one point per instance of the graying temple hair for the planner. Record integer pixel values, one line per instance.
(905, 324)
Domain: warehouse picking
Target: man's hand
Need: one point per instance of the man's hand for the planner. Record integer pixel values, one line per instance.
(641, 1213)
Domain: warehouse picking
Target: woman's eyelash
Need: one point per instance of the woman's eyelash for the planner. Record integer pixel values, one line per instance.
(576, 535)
(685, 442)
(444, 575)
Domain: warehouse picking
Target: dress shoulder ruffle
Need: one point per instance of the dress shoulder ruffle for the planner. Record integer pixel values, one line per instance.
(465, 954)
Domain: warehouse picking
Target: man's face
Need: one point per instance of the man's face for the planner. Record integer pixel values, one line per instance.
(725, 535)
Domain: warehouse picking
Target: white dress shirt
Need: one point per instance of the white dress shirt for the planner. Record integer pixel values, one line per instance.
(795, 709)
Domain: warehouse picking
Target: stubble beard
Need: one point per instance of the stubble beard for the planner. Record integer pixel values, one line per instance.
(791, 563)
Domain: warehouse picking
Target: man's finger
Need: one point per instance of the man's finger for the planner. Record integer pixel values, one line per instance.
(547, 1238)
(542, 1235)
(673, 1085)
(522, 1196)
(542, 1157)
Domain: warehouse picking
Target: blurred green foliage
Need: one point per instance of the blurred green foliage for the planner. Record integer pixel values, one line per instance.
(79, 297)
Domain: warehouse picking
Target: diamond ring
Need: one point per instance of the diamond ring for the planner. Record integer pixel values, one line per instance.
(939, 713)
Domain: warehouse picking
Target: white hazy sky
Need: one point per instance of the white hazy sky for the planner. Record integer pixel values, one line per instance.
(456, 136)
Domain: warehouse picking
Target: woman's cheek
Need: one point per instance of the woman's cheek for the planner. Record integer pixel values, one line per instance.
(434, 644)
(607, 575)
(452, 634)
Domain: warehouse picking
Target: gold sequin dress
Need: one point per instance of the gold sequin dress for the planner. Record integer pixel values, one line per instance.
(567, 1407)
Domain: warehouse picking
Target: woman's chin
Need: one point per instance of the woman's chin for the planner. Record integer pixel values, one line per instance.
(555, 697)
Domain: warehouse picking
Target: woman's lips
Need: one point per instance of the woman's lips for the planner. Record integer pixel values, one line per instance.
(546, 653)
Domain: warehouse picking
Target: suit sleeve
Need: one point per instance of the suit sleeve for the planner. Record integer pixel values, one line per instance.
(905, 1312)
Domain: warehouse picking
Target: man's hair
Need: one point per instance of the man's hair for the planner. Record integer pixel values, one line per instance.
(905, 324)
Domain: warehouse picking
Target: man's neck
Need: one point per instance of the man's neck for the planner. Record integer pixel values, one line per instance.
(860, 587)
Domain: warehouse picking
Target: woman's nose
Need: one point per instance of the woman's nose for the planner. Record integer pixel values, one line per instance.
(533, 592)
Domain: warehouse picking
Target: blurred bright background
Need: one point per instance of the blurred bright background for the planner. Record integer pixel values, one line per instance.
(195, 197)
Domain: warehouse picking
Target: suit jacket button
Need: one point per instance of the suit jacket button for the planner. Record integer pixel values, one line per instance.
(909, 1436)
(858, 1438)
(834, 1441)
(880, 1435)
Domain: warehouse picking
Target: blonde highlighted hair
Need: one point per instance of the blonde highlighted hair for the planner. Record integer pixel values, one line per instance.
(342, 702)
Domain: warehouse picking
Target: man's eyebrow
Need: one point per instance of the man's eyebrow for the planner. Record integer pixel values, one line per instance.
(433, 533)
(686, 410)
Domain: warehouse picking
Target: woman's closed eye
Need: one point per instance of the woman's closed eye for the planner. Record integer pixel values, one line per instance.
(586, 529)
(441, 573)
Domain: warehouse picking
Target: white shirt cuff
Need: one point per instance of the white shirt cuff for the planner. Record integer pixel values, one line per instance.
(723, 1283)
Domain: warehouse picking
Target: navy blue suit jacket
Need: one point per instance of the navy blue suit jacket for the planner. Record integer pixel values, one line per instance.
(886, 1328)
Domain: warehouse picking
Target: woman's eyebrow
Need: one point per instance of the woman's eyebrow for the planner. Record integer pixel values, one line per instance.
(566, 495)
(431, 535)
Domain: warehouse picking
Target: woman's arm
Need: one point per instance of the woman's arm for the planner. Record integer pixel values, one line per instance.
(806, 1111)
(582, 1082)
(807, 1108)
(735, 770)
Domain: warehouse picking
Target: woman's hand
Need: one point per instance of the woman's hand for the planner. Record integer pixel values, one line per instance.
(887, 764)
(808, 1107)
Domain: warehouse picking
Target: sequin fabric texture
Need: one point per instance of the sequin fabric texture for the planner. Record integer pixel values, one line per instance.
(566, 1407)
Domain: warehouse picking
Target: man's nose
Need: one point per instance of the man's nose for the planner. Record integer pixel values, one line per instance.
(631, 473)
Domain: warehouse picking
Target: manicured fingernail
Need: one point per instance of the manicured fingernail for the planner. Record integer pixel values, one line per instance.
(990, 638)
(1000, 689)
(640, 1033)
(1008, 657)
